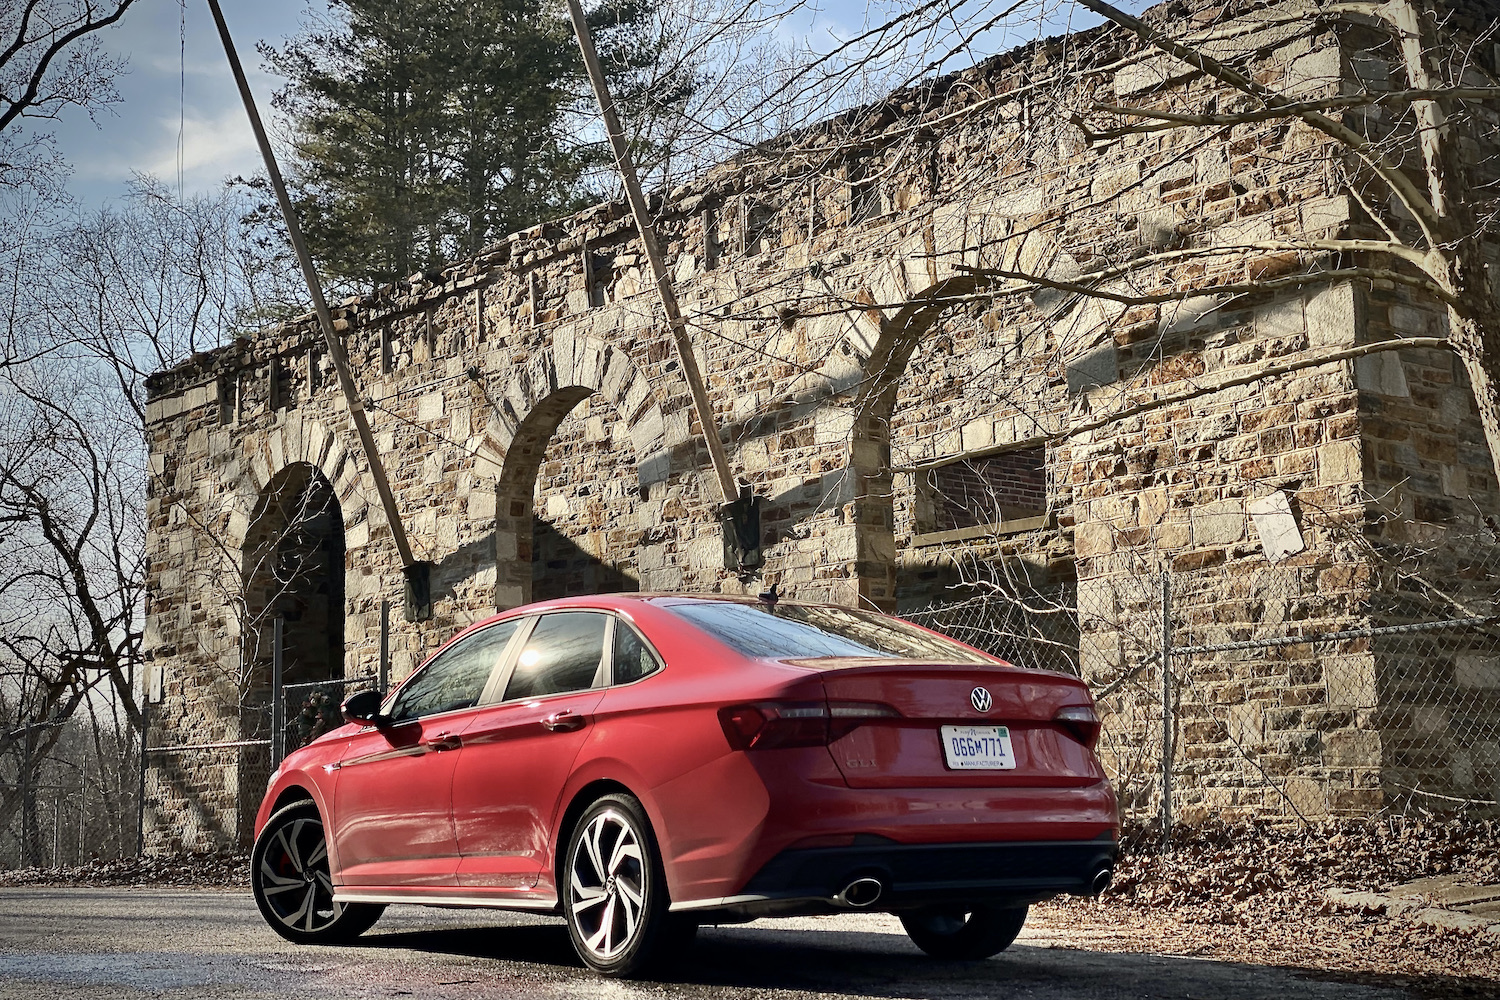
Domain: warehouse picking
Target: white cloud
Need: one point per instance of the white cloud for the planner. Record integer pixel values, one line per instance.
(211, 147)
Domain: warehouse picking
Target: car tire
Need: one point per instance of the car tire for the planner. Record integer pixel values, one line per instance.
(290, 878)
(614, 892)
(965, 932)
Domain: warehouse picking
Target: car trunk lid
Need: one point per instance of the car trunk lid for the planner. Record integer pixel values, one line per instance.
(979, 705)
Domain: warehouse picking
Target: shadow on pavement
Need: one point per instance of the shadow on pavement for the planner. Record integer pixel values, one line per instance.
(887, 965)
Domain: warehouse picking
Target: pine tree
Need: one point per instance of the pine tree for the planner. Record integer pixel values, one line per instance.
(425, 129)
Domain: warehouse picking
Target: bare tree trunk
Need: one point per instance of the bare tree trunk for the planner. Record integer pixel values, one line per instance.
(1476, 340)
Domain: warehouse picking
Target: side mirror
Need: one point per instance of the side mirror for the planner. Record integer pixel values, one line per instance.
(363, 707)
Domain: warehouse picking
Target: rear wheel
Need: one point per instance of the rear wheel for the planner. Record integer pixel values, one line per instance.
(615, 892)
(966, 931)
(290, 878)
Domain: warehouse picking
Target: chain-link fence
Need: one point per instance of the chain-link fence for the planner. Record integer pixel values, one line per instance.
(1295, 691)
(75, 803)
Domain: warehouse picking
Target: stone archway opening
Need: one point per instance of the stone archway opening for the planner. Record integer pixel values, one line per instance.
(565, 509)
(292, 568)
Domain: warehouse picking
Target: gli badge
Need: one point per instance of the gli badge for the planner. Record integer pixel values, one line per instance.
(981, 700)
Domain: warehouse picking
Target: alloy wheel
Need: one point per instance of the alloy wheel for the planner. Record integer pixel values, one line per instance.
(292, 876)
(607, 885)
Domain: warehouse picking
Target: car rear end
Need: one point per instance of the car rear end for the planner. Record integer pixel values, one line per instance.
(965, 779)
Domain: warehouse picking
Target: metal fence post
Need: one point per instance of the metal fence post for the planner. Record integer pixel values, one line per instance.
(140, 790)
(1166, 703)
(385, 644)
(26, 792)
(278, 696)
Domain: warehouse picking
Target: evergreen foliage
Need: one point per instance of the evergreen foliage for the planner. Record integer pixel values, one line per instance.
(425, 129)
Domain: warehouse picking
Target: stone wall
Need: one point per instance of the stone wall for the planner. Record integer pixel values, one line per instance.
(535, 427)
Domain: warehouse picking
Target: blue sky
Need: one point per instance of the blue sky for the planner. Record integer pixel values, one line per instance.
(179, 84)
(170, 86)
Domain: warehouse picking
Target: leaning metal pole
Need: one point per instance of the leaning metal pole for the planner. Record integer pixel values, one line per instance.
(1167, 696)
(647, 230)
(315, 289)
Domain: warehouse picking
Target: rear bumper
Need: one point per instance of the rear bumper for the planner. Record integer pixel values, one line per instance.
(910, 875)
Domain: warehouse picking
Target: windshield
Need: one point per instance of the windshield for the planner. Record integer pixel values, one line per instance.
(796, 631)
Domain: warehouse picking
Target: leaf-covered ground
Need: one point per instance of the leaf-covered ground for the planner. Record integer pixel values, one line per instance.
(204, 870)
(1256, 895)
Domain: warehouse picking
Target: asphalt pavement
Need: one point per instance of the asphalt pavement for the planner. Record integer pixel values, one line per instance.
(123, 944)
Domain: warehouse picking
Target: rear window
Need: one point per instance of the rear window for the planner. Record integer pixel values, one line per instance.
(800, 631)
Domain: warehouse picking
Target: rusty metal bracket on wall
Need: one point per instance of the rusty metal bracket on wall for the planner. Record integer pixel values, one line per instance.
(417, 574)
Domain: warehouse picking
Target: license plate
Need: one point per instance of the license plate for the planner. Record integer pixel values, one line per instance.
(978, 748)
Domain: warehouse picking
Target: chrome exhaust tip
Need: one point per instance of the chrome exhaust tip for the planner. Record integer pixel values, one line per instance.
(1101, 881)
(860, 894)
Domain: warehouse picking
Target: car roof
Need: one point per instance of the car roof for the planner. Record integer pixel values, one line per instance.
(661, 598)
(623, 602)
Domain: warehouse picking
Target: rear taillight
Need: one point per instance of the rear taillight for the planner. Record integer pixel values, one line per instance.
(1080, 720)
(770, 725)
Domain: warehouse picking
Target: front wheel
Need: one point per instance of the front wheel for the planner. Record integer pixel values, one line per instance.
(966, 931)
(615, 891)
(290, 878)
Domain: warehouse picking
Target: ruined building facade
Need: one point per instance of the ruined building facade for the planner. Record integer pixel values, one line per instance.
(918, 428)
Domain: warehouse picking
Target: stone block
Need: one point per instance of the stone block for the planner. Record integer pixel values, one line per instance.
(1091, 539)
(1280, 536)
(1340, 462)
(1174, 535)
(1307, 797)
(1281, 319)
(430, 407)
(1352, 748)
(1218, 523)
(1383, 373)
(1477, 671)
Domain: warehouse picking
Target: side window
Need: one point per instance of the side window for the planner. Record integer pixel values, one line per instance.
(632, 659)
(455, 679)
(562, 654)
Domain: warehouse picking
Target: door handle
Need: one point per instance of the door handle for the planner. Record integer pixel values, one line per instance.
(442, 741)
(563, 722)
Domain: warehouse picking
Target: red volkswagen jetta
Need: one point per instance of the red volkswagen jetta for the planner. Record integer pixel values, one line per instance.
(642, 764)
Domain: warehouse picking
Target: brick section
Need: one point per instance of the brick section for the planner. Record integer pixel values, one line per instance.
(988, 490)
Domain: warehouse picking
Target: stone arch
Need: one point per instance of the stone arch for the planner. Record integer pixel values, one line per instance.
(264, 454)
(292, 570)
(527, 413)
(873, 515)
(934, 269)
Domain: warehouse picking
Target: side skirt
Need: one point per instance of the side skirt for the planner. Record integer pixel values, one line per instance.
(495, 901)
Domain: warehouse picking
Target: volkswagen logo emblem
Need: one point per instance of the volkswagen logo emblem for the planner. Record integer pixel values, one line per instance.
(981, 700)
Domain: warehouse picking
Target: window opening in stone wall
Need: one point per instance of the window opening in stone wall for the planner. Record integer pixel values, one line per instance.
(599, 276)
(761, 232)
(584, 533)
(229, 399)
(279, 384)
(864, 194)
(429, 334)
(993, 490)
(480, 334)
(1027, 617)
(710, 239)
(566, 521)
(314, 375)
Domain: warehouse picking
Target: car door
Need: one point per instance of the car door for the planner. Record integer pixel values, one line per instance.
(518, 753)
(392, 809)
